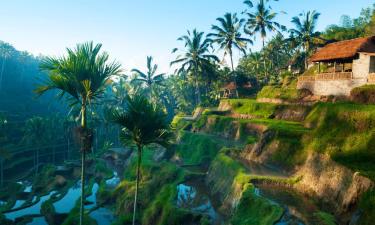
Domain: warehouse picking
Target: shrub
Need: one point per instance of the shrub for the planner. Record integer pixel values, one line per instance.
(364, 94)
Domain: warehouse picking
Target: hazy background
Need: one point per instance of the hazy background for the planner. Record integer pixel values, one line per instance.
(132, 29)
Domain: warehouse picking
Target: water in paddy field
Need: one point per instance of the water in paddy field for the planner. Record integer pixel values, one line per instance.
(298, 209)
(38, 221)
(194, 196)
(102, 215)
(114, 181)
(34, 209)
(68, 202)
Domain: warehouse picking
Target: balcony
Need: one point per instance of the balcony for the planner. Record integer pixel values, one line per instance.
(328, 76)
(371, 78)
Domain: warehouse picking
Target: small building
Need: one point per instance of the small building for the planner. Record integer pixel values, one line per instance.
(341, 66)
(229, 90)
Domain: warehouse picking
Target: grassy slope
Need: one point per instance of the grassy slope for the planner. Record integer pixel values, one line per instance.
(284, 92)
(345, 131)
(251, 106)
(156, 196)
(199, 148)
(230, 178)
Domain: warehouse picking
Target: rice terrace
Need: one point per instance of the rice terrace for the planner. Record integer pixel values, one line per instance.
(214, 112)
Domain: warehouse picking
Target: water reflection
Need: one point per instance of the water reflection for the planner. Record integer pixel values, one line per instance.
(34, 209)
(114, 181)
(191, 196)
(66, 204)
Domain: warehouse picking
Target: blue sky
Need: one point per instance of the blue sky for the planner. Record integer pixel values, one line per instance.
(130, 30)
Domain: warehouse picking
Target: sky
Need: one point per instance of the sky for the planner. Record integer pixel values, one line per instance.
(131, 30)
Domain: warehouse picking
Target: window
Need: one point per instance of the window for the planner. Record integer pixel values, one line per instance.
(372, 64)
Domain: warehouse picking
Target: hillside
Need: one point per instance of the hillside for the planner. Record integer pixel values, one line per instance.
(324, 152)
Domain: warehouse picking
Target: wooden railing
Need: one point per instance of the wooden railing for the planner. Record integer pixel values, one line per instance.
(328, 76)
(335, 76)
(306, 78)
(371, 78)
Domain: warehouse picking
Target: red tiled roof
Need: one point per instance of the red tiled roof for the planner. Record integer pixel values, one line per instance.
(344, 49)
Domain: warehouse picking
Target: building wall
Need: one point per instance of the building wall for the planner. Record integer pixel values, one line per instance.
(331, 87)
(361, 66)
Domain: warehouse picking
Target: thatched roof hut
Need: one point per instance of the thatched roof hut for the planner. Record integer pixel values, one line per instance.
(344, 49)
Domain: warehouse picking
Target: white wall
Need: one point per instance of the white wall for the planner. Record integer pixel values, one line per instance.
(361, 66)
(332, 87)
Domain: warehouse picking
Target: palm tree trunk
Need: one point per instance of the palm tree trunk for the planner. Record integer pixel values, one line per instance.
(68, 148)
(264, 62)
(137, 182)
(1, 75)
(197, 91)
(234, 76)
(1, 173)
(83, 160)
(306, 55)
(37, 161)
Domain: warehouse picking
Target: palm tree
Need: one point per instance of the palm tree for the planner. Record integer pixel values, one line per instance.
(304, 32)
(195, 54)
(228, 36)
(4, 154)
(150, 78)
(82, 75)
(143, 124)
(262, 21)
(35, 133)
(5, 52)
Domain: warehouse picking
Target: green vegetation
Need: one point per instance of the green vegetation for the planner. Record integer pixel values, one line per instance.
(142, 106)
(305, 32)
(252, 107)
(143, 124)
(75, 218)
(325, 218)
(195, 149)
(346, 132)
(157, 193)
(82, 75)
(364, 94)
(285, 92)
(366, 204)
(150, 79)
(253, 209)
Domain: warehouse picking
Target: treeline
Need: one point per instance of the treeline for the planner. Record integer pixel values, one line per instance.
(204, 65)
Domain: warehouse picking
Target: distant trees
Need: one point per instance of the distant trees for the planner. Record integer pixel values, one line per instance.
(228, 36)
(82, 76)
(305, 32)
(150, 78)
(194, 56)
(143, 124)
(262, 21)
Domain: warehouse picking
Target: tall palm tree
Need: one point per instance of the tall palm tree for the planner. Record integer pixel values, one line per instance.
(4, 154)
(5, 53)
(143, 124)
(150, 78)
(262, 21)
(228, 36)
(35, 133)
(195, 54)
(304, 32)
(82, 75)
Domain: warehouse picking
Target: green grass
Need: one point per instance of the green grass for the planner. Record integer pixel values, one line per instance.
(347, 132)
(253, 209)
(198, 148)
(251, 107)
(325, 218)
(288, 92)
(367, 205)
(156, 194)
